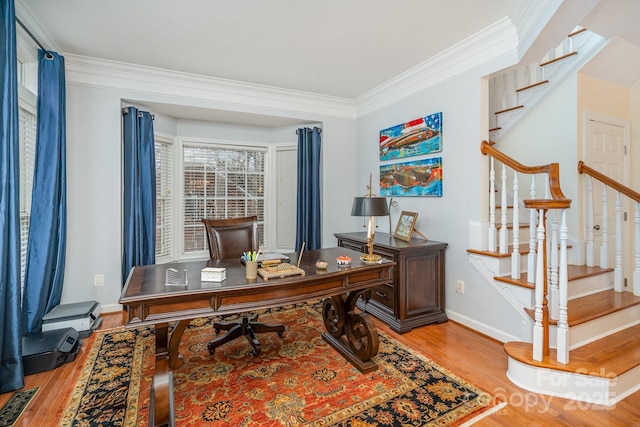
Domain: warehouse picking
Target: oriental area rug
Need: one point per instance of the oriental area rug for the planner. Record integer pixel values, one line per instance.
(297, 380)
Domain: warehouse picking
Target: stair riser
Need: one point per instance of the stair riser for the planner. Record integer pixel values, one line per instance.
(590, 285)
(601, 327)
(596, 390)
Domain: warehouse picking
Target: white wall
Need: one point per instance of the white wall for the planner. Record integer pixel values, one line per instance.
(94, 105)
(447, 218)
(549, 134)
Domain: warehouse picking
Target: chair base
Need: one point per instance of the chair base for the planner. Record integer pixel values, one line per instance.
(248, 328)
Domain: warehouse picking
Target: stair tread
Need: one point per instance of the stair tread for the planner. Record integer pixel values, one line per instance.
(600, 304)
(574, 272)
(523, 249)
(610, 356)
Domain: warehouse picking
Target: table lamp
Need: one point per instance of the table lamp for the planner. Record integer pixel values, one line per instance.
(371, 207)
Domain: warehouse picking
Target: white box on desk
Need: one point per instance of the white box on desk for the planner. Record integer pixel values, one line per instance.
(213, 274)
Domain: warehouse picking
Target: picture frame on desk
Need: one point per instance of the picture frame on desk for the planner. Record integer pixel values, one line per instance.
(406, 225)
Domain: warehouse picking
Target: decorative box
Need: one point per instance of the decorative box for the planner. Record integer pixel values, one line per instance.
(213, 274)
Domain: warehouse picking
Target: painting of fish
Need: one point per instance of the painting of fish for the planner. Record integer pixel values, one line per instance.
(413, 138)
(421, 178)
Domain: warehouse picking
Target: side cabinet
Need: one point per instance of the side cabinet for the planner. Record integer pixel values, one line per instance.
(416, 297)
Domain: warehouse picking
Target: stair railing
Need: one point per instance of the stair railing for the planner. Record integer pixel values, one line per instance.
(549, 238)
(620, 190)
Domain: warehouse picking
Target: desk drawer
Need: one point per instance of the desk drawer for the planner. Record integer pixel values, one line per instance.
(384, 295)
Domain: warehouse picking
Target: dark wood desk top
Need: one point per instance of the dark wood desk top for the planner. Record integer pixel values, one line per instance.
(150, 300)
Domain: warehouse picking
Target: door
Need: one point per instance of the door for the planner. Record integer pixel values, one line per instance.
(605, 150)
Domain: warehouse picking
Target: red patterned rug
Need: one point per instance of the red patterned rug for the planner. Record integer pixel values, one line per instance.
(298, 380)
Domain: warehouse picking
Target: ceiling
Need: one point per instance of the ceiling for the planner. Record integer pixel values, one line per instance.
(338, 48)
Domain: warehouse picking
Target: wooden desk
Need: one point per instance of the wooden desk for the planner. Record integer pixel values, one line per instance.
(151, 302)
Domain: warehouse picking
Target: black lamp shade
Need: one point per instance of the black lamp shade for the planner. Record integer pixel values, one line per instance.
(370, 206)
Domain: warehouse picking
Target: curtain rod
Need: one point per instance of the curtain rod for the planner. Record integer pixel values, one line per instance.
(319, 130)
(125, 110)
(34, 38)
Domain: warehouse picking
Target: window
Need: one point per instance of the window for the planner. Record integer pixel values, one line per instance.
(27, 143)
(164, 198)
(221, 181)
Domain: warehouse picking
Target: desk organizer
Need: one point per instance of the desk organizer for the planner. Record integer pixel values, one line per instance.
(280, 271)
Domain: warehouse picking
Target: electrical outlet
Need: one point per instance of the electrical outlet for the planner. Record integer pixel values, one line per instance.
(98, 280)
(460, 287)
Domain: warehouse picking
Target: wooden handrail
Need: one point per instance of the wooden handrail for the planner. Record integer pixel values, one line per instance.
(582, 168)
(552, 169)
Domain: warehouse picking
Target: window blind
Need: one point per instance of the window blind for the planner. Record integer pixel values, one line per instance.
(220, 182)
(164, 200)
(27, 147)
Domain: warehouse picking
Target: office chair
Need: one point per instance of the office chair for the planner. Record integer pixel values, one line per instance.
(229, 239)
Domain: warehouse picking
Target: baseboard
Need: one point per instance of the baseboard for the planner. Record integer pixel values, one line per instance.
(110, 308)
(482, 328)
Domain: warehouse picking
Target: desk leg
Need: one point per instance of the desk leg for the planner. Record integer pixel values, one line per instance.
(175, 361)
(352, 334)
(161, 405)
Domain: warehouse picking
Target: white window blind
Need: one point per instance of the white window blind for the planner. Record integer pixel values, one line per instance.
(164, 200)
(27, 143)
(220, 182)
(286, 170)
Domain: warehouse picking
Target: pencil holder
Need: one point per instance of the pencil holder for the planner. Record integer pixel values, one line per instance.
(251, 270)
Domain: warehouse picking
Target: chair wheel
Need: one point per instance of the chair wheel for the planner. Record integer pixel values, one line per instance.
(280, 334)
(217, 331)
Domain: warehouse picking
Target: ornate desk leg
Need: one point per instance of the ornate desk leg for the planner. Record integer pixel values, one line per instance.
(161, 411)
(352, 334)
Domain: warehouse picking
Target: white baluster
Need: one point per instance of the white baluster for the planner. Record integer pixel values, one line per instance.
(604, 246)
(531, 258)
(636, 251)
(591, 261)
(618, 271)
(538, 327)
(553, 266)
(563, 294)
(503, 213)
(492, 207)
(515, 254)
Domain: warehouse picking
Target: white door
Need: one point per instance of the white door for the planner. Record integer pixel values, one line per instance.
(605, 151)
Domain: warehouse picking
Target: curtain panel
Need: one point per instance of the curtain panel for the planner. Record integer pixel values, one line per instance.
(46, 247)
(308, 213)
(139, 190)
(11, 371)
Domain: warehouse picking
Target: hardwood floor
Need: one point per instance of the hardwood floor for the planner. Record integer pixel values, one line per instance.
(474, 357)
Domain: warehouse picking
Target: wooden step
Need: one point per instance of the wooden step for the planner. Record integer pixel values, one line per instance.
(594, 306)
(610, 356)
(523, 249)
(574, 272)
(522, 89)
(560, 58)
(600, 304)
(509, 109)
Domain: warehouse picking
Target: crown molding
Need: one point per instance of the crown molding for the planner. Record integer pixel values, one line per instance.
(25, 16)
(530, 19)
(494, 42)
(208, 92)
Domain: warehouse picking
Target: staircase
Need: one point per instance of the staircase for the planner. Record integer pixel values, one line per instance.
(582, 335)
(515, 92)
(581, 332)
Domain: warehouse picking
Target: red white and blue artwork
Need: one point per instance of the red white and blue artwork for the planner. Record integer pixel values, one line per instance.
(421, 178)
(414, 138)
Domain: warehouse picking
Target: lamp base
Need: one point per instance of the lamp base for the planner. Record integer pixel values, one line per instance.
(371, 259)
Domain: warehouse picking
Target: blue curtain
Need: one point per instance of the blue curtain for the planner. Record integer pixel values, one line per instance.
(308, 220)
(44, 269)
(139, 182)
(11, 377)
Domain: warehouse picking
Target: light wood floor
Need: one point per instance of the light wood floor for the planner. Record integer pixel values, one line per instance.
(474, 357)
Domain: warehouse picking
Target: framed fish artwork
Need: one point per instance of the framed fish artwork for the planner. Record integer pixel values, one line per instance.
(421, 178)
(414, 138)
